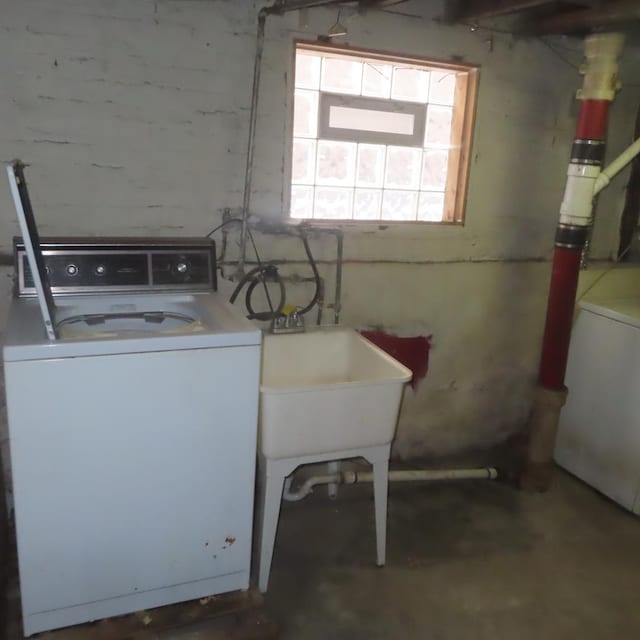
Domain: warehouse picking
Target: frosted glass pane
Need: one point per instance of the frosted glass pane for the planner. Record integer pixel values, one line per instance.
(301, 202)
(443, 87)
(366, 204)
(370, 169)
(431, 206)
(336, 164)
(403, 167)
(307, 71)
(376, 80)
(399, 205)
(305, 114)
(438, 125)
(343, 76)
(434, 169)
(303, 162)
(410, 84)
(371, 120)
(333, 203)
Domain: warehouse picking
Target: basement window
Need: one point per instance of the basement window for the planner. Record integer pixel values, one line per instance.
(379, 137)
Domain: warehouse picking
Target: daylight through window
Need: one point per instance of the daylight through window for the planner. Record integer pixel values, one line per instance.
(379, 137)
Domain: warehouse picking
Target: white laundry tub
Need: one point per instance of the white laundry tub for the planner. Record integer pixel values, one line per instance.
(326, 390)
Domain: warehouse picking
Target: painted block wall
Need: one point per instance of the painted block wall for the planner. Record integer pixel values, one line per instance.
(133, 117)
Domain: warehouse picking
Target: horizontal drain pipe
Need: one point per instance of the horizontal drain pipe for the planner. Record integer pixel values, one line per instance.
(413, 475)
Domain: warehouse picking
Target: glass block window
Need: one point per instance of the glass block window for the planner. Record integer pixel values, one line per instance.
(379, 138)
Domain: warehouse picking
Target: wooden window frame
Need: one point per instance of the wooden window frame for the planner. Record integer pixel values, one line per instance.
(462, 126)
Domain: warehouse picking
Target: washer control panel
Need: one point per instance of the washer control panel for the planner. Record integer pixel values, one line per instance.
(86, 265)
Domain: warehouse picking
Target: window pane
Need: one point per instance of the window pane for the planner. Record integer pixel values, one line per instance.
(438, 125)
(376, 80)
(366, 204)
(371, 120)
(443, 87)
(303, 162)
(301, 202)
(307, 71)
(403, 167)
(370, 165)
(336, 163)
(410, 84)
(434, 169)
(343, 76)
(333, 203)
(431, 206)
(305, 114)
(399, 205)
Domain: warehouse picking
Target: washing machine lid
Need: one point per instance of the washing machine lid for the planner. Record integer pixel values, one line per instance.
(27, 221)
(625, 310)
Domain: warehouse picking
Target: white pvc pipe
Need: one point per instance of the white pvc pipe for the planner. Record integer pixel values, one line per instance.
(616, 166)
(409, 475)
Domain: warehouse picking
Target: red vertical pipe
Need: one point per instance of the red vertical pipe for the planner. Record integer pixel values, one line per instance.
(592, 126)
(592, 120)
(557, 331)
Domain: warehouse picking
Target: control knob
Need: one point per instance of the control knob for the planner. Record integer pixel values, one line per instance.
(182, 267)
(100, 270)
(71, 270)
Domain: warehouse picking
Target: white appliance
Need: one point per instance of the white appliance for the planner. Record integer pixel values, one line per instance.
(132, 427)
(599, 431)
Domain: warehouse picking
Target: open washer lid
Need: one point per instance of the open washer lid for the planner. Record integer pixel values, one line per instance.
(31, 239)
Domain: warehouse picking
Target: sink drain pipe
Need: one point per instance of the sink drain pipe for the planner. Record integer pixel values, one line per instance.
(411, 475)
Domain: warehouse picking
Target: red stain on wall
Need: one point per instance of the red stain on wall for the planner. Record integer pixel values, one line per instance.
(413, 353)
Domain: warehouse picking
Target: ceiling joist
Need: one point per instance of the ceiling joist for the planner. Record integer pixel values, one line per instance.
(465, 10)
(613, 12)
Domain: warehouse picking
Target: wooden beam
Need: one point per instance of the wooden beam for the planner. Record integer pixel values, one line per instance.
(616, 11)
(462, 10)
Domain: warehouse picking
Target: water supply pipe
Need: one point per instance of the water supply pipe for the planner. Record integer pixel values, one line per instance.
(602, 53)
(616, 166)
(410, 475)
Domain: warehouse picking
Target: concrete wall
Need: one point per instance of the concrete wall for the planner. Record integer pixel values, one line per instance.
(133, 115)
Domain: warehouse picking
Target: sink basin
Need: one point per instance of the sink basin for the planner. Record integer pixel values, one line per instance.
(325, 390)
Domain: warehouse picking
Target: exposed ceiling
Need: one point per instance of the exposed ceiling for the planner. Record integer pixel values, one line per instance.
(544, 17)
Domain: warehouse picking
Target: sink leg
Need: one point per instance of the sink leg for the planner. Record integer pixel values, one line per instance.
(332, 488)
(272, 485)
(380, 464)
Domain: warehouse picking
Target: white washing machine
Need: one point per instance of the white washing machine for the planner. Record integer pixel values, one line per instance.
(132, 425)
(599, 431)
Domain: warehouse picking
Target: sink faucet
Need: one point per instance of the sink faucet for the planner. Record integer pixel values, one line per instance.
(292, 322)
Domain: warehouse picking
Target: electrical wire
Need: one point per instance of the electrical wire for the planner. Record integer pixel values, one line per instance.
(558, 54)
(223, 224)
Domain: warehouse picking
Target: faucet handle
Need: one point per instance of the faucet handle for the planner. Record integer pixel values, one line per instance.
(295, 319)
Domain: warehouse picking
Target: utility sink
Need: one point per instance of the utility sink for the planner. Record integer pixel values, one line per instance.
(325, 390)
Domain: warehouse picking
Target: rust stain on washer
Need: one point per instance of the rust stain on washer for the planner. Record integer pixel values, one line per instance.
(230, 540)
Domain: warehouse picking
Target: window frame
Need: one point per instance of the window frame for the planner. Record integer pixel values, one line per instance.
(462, 128)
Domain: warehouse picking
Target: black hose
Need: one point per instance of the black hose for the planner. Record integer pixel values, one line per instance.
(316, 277)
(264, 315)
(264, 273)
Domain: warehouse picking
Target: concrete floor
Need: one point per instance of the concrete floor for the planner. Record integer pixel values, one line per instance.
(468, 560)
(465, 560)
